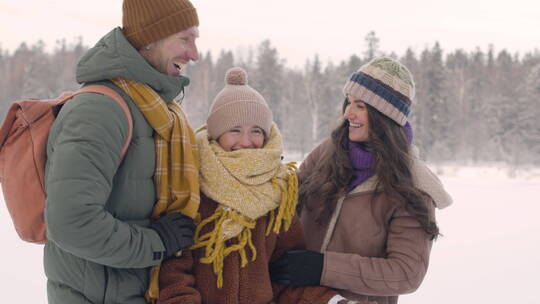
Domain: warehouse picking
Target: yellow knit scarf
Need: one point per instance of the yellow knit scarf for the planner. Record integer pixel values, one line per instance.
(247, 184)
(177, 160)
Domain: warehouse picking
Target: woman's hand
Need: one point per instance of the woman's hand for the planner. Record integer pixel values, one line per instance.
(298, 268)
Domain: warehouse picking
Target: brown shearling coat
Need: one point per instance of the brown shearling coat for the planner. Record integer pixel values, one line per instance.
(373, 249)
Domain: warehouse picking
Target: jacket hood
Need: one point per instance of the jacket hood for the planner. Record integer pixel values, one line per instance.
(423, 178)
(113, 56)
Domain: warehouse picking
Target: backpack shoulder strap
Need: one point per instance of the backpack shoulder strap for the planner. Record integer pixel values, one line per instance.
(102, 89)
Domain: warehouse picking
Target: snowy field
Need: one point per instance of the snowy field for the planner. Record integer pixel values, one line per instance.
(490, 252)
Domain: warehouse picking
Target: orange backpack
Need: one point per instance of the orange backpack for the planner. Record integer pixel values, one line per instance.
(23, 154)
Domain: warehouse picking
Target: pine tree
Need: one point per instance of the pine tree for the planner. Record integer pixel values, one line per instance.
(16, 71)
(198, 96)
(476, 105)
(431, 117)
(331, 99)
(268, 79)
(224, 62)
(35, 72)
(508, 83)
(529, 117)
(298, 124)
(312, 80)
(457, 65)
(372, 46)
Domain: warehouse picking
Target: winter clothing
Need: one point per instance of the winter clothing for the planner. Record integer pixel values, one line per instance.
(362, 160)
(144, 22)
(177, 173)
(236, 104)
(176, 176)
(249, 184)
(187, 280)
(298, 268)
(176, 232)
(389, 252)
(98, 209)
(247, 219)
(385, 84)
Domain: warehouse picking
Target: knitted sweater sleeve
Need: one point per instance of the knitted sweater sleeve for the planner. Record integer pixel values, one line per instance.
(290, 240)
(177, 281)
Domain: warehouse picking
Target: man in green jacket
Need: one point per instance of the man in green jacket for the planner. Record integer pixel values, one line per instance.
(102, 241)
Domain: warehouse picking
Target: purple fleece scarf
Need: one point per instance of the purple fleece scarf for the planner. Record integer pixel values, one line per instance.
(362, 160)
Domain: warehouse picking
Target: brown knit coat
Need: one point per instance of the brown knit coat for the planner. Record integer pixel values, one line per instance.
(186, 280)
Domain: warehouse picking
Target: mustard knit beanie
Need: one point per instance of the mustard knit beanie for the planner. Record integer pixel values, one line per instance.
(237, 104)
(146, 21)
(385, 84)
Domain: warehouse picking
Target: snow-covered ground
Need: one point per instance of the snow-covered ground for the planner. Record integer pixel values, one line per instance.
(490, 251)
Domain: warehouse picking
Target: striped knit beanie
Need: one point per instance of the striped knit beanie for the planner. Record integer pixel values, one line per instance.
(146, 21)
(238, 104)
(385, 84)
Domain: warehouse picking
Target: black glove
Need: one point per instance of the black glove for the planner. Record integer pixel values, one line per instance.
(175, 230)
(298, 268)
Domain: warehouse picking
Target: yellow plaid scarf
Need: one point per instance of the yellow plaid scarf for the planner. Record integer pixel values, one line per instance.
(177, 160)
(248, 184)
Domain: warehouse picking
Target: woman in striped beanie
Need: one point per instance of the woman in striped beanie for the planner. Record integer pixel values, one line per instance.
(366, 200)
(247, 210)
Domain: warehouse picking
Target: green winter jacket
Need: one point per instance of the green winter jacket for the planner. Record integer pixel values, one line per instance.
(97, 211)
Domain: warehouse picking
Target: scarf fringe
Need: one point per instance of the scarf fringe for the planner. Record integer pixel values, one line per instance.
(216, 249)
(289, 199)
(215, 241)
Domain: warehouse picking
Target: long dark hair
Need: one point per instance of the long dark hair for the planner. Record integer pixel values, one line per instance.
(391, 150)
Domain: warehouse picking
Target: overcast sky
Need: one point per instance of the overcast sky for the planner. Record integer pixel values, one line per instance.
(298, 28)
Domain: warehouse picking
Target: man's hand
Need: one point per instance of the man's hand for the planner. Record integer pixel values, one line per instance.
(175, 230)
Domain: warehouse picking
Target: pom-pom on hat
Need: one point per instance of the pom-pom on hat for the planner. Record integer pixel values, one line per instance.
(146, 21)
(385, 84)
(237, 104)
